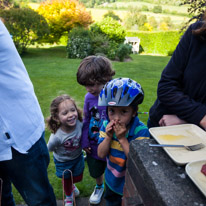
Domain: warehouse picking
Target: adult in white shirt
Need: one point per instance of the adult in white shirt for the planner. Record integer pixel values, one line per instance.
(24, 156)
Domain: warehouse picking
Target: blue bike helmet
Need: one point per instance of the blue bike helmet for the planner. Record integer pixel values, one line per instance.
(121, 92)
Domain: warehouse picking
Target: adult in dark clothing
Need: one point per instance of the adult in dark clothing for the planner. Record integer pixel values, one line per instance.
(181, 93)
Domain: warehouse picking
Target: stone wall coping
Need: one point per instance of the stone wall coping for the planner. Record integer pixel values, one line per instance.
(164, 182)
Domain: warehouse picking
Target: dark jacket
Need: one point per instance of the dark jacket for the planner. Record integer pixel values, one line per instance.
(182, 87)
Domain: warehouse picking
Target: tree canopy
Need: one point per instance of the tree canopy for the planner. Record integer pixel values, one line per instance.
(63, 15)
(196, 8)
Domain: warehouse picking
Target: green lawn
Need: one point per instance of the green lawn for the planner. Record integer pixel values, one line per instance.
(53, 74)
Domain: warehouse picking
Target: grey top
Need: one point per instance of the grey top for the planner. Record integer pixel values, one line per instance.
(66, 146)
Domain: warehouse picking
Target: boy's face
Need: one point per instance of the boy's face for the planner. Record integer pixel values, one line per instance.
(123, 115)
(94, 89)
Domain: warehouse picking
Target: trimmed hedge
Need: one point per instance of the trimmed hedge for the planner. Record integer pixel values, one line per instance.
(161, 43)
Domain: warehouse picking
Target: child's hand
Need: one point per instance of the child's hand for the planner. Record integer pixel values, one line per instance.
(120, 130)
(87, 150)
(109, 129)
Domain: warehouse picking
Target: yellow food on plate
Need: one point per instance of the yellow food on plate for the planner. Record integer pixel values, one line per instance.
(170, 137)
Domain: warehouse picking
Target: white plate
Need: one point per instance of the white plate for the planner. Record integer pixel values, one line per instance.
(193, 169)
(185, 134)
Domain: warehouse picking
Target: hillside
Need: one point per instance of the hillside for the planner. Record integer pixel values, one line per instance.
(178, 14)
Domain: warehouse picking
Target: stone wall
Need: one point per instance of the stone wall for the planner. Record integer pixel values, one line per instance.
(153, 179)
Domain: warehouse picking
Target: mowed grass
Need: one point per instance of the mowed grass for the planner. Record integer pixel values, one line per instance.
(53, 74)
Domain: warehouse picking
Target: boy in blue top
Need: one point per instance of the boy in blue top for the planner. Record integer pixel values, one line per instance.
(122, 97)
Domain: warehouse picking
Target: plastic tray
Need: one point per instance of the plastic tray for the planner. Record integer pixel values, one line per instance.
(193, 169)
(186, 134)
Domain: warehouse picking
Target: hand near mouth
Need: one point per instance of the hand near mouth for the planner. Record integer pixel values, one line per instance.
(120, 130)
(110, 129)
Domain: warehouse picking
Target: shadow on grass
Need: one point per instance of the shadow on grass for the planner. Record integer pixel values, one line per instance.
(52, 51)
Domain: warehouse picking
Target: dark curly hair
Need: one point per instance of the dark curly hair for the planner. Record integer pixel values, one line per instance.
(94, 69)
(52, 121)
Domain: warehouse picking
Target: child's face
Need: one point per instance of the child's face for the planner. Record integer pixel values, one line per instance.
(67, 115)
(94, 89)
(123, 115)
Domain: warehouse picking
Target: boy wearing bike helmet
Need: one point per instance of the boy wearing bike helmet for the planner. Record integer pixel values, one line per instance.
(121, 96)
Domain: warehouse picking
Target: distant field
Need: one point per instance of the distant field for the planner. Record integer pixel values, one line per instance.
(179, 9)
(97, 15)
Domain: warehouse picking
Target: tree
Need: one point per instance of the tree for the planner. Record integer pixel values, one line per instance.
(196, 9)
(111, 28)
(112, 15)
(5, 4)
(63, 15)
(134, 17)
(25, 25)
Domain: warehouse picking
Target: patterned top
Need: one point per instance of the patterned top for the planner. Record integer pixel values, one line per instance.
(116, 159)
(66, 146)
(90, 102)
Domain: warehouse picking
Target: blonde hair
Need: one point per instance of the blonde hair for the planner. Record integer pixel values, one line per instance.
(52, 121)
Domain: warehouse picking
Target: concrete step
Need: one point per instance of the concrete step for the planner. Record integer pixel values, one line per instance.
(80, 201)
(83, 201)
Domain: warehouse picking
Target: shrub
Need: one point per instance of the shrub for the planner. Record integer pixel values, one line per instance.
(145, 8)
(123, 51)
(63, 15)
(111, 28)
(97, 40)
(134, 17)
(112, 15)
(146, 27)
(26, 26)
(157, 9)
(152, 21)
(79, 43)
(100, 43)
(112, 50)
(168, 21)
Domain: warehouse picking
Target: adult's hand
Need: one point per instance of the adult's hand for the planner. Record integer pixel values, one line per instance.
(203, 122)
(170, 119)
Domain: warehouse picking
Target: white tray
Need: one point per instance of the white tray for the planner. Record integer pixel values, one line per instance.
(193, 169)
(186, 134)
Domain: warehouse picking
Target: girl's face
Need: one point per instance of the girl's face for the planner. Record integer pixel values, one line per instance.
(67, 115)
(122, 115)
(94, 89)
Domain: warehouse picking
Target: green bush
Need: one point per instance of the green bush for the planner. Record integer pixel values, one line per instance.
(79, 43)
(112, 50)
(157, 9)
(98, 40)
(26, 26)
(124, 51)
(100, 43)
(134, 18)
(111, 28)
(161, 43)
(145, 8)
(112, 15)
